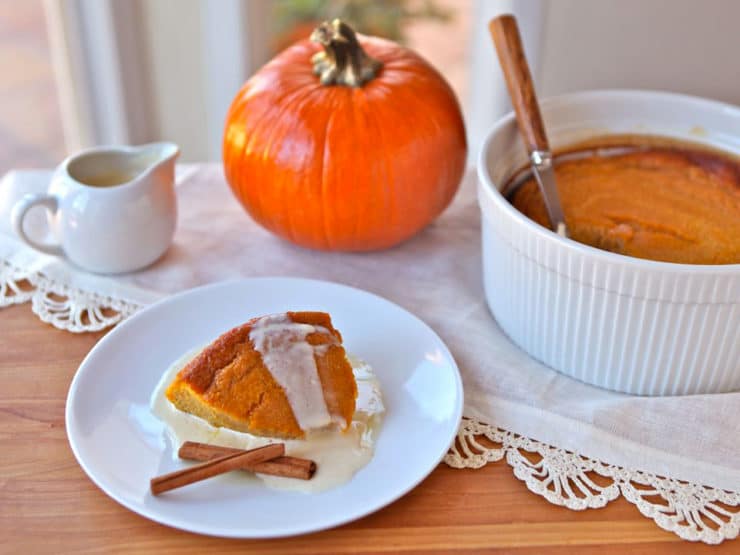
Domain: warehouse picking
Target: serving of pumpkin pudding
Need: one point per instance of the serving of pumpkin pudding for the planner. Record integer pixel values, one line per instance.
(670, 203)
(281, 377)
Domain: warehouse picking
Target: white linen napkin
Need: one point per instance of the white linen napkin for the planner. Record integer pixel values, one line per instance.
(436, 275)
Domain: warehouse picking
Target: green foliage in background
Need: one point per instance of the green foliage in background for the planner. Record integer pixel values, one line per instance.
(383, 18)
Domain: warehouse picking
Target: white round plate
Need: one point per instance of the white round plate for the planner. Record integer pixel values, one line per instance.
(122, 445)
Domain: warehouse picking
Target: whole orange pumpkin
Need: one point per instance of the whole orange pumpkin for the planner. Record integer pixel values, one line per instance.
(353, 148)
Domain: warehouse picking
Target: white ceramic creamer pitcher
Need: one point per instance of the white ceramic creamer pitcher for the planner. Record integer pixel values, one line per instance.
(111, 209)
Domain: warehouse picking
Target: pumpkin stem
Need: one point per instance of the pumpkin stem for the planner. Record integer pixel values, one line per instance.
(343, 61)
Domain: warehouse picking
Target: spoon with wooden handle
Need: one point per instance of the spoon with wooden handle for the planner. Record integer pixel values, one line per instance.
(508, 42)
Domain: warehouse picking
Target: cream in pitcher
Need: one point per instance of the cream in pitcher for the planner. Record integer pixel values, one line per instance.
(111, 209)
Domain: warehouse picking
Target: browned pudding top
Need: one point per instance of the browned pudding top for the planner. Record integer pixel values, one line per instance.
(662, 203)
(231, 384)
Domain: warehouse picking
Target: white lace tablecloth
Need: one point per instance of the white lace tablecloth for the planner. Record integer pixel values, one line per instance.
(677, 459)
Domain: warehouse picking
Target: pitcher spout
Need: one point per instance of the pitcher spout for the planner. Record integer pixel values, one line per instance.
(155, 155)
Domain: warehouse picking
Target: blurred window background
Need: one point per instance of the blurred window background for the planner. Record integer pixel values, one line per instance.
(30, 121)
(84, 72)
(168, 72)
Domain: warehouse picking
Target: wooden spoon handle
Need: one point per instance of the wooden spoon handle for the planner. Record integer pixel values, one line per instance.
(505, 34)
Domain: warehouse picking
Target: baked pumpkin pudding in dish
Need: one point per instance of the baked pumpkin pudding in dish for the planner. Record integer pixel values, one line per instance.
(662, 200)
(278, 376)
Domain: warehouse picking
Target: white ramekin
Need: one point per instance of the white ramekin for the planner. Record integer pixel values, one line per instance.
(631, 325)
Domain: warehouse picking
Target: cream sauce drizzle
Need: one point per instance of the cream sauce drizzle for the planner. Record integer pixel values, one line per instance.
(338, 455)
(290, 359)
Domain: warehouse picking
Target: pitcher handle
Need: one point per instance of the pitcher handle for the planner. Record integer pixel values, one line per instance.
(19, 212)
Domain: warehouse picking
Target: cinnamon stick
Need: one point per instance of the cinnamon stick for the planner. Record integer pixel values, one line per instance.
(287, 467)
(214, 467)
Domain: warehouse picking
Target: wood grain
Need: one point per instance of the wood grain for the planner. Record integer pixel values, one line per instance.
(508, 42)
(48, 505)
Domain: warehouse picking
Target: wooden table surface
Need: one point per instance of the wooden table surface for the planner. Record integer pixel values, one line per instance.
(48, 505)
